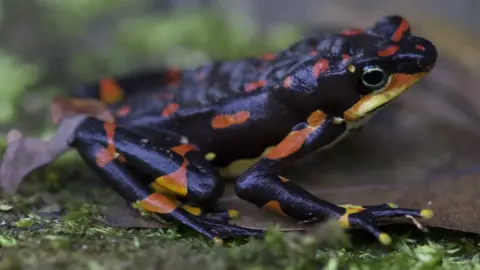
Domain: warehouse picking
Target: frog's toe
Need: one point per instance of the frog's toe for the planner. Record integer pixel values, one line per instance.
(223, 215)
(365, 217)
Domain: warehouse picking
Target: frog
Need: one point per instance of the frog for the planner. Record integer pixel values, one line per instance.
(179, 133)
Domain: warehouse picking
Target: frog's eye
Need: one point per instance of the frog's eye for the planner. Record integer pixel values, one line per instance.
(374, 78)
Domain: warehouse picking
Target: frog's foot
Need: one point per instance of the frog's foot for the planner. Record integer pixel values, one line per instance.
(217, 223)
(214, 225)
(220, 215)
(365, 217)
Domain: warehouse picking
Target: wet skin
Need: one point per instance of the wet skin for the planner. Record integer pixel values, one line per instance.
(179, 133)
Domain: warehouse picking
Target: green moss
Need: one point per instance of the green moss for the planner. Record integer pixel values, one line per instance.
(62, 227)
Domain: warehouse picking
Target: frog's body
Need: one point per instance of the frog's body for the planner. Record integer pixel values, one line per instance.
(174, 129)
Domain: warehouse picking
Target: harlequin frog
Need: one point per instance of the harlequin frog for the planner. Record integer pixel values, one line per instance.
(177, 133)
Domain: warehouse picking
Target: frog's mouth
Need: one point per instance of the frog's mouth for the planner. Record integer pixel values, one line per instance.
(399, 83)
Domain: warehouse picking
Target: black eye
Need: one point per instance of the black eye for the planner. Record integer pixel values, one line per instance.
(374, 78)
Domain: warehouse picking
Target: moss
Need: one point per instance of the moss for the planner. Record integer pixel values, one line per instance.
(61, 227)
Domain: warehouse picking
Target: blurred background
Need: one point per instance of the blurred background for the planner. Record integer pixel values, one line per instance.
(48, 47)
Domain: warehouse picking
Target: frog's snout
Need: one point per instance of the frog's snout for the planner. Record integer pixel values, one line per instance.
(425, 53)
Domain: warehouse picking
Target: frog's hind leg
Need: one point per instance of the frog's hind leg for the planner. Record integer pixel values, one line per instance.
(119, 156)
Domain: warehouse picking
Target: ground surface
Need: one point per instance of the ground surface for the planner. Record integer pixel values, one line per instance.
(57, 222)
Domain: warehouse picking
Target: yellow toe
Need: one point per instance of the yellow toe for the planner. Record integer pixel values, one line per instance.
(218, 241)
(385, 239)
(426, 213)
(392, 205)
(232, 213)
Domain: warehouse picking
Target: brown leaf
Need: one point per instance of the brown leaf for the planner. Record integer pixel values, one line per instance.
(62, 107)
(23, 155)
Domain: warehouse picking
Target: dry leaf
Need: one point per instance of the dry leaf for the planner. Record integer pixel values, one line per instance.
(23, 154)
(62, 107)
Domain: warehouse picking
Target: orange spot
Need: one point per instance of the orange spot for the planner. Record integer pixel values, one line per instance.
(268, 56)
(352, 32)
(110, 133)
(292, 143)
(420, 47)
(176, 181)
(345, 58)
(402, 28)
(283, 179)
(173, 76)
(316, 118)
(170, 109)
(254, 85)
(103, 157)
(287, 83)
(110, 91)
(160, 189)
(158, 203)
(124, 111)
(183, 149)
(391, 50)
(227, 120)
(275, 207)
(319, 67)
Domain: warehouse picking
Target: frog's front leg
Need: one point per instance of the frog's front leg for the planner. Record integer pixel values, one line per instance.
(161, 175)
(263, 185)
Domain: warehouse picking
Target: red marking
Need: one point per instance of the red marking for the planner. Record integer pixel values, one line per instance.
(110, 133)
(254, 86)
(183, 149)
(163, 95)
(268, 56)
(352, 32)
(287, 83)
(345, 58)
(402, 28)
(391, 50)
(316, 118)
(274, 206)
(227, 120)
(106, 155)
(313, 53)
(110, 91)
(290, 144)
(103, 157)
(173, 76)
(420, 47)
(170, 109)
(123, 111)
(319, 67)
(176, 181)
(158, 203)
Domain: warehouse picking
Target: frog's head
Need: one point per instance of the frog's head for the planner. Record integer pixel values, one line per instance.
(357, 72)
(386, 59)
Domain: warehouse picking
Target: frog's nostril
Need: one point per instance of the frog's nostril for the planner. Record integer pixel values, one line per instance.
(420, 47)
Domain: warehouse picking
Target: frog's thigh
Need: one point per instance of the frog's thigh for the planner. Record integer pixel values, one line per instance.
(170, 166)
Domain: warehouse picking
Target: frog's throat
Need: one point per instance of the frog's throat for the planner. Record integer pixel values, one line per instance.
(398, 84)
